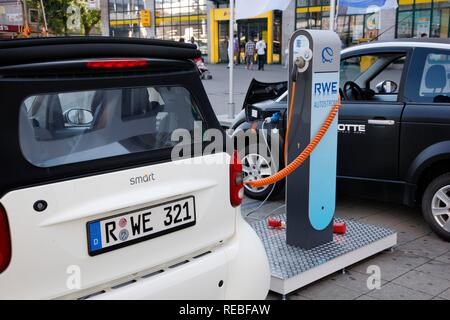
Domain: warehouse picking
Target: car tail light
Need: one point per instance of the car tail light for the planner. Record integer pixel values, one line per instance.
(116, 63)
(5, 241)
(236, 180)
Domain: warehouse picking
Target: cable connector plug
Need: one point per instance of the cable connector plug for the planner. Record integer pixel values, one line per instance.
(274, 118)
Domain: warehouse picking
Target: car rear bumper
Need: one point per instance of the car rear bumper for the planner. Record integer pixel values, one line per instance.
(237, 269)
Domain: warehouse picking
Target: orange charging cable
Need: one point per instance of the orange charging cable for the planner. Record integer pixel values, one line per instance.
(287, 170)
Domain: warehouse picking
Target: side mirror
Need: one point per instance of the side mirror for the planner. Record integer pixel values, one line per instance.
(79, 117)
(387, 86)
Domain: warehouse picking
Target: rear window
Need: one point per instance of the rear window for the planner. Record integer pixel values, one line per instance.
(70, 127)
(435, 80)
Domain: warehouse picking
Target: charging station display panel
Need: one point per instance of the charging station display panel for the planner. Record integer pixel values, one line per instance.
(322, 177)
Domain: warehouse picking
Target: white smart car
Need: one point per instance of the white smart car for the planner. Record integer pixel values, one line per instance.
(92, 203)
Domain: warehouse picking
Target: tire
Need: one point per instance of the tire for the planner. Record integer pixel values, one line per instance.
(436, 206)
(258, 169)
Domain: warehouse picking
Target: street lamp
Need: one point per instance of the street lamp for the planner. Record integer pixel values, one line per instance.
(231, 106)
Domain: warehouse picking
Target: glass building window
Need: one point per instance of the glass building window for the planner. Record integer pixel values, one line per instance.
(309, 13)
(181, 20)
(419, 18)
(352, 29)
(124, 18)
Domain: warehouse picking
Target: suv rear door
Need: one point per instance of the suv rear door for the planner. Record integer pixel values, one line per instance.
(426, 119)
(63, 174)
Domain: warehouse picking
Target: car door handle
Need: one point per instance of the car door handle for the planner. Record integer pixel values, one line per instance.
(382, 122)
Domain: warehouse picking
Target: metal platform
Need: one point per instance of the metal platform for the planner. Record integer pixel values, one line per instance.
(293, 268)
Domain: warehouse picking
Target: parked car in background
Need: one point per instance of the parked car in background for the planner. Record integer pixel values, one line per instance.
(92, 205)
(394, 126)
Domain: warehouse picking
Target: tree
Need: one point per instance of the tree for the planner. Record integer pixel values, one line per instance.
(89, 17)
(60, 19)
(57, 16)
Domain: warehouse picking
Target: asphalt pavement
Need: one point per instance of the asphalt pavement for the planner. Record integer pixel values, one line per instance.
(217, 87)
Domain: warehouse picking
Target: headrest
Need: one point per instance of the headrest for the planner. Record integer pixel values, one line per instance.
(436, 77)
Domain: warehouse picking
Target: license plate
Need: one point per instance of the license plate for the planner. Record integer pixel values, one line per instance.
(140, 225)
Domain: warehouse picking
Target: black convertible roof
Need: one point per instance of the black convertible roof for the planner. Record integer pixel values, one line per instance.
(34, 50)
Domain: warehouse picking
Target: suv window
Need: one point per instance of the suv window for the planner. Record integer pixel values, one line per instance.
(392, 72)
(353, 67)
(435, 81)
(369, 71)
(69, 127)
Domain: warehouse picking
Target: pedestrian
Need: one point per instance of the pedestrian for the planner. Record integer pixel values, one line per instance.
(236, 49)
(261, 51)
(249, 54)
(194, 43)
(181, 40)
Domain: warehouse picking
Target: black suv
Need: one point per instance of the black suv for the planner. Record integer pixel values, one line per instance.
(394, 125)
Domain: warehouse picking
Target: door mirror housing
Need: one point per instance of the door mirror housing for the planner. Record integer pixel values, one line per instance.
(387, 86)
(79, 117)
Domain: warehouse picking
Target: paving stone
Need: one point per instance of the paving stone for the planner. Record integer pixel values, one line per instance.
(328, 290)
(411, 230)
(392, 291)
(444, 258)
(252, 210)
(381, 220)
(434, 236)
(436, 269)
(392, 264)
(273, 296)
(426, 246)
(423, 282)
(366, 297)
(355, 211)
(296, 296)
(445, 295)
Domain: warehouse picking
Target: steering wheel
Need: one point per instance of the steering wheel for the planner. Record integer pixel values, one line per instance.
(357, 92)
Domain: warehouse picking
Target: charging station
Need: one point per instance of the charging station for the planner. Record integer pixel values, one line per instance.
(307, 249)
(311, 188)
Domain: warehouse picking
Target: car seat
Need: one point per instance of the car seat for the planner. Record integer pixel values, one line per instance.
(436, 78)
(55, 118)
(178, 109)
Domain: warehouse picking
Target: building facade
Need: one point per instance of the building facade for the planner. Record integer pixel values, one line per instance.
(207, 21)
(182, 19)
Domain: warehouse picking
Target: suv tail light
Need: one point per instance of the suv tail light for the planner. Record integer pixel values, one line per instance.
(236, 180)
(116, 63)
(5, 241)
